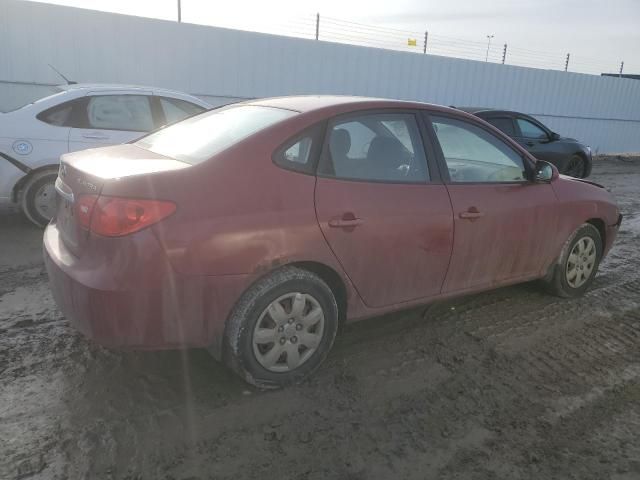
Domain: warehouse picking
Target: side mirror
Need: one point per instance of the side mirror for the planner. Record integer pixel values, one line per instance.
(554, 136)
(545, 172)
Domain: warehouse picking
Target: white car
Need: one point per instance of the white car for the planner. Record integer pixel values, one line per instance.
(76, 117)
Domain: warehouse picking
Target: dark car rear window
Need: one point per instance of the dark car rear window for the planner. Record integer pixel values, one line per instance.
(503, 124)
(198, 138)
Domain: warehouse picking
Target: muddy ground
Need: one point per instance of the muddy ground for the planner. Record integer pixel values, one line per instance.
(511, 384)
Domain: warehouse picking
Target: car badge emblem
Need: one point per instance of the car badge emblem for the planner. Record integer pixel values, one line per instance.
(22, 147)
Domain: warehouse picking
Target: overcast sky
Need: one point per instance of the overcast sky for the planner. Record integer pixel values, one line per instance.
(598, 33)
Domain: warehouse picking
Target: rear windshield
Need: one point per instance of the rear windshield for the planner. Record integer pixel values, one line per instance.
(198, 138)
(44, 94)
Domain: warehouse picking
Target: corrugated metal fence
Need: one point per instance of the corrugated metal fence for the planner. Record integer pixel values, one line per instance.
(224, 65)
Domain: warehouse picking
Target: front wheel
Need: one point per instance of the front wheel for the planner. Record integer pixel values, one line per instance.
(576, 268)
(577, 167)
(39, 197)
(282, 328)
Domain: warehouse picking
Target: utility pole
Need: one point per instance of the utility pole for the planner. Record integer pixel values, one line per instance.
(566, 64)
(621, 68)
(504, 53)
(489, 37)
(179, 11)
(426, 38)
(317, 25)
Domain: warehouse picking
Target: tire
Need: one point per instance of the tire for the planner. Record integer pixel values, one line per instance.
(260, 336)
(576, 166)
(566, 278)
(38, 190)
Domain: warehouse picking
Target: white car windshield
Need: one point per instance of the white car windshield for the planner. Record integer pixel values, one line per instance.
(198, 138)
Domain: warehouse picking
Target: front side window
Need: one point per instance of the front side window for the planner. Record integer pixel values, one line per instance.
(378, 147)
(474, 155)
(198, 138)
(530, 130)
(175, 109)
(504, 124)
(120, 112)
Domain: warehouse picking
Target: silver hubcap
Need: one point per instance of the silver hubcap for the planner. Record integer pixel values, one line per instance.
(45, 200)
(581, 262)
(288, 332)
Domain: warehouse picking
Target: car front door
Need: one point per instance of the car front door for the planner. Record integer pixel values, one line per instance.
(105, 118)
(535, 139)
(504, 223)
(382, 207)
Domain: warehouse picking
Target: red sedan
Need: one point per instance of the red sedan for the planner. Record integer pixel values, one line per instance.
(256, 229)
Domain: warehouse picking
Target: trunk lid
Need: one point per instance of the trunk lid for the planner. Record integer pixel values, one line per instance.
(83, 175)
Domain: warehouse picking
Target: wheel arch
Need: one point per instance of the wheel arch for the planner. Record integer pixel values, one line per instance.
(587, 162)
(601, 227)
(19, 186)
(219, 347)
(332, 279)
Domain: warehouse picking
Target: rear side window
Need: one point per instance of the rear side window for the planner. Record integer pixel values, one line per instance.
(58, 116)
(301, 152)
(383, 147)
(120, 112)
(198, 138)
(175, 109)
(504, 124)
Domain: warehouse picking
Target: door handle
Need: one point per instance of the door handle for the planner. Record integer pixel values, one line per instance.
(95, 136)
(348, 220)
(531, 144)
(471, 214)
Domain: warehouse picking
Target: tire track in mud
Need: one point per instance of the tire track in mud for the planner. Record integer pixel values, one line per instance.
(484, 385)
(506, 384)
(509, 321)
(450, 385)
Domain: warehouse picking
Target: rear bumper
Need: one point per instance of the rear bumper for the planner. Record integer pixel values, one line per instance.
(156, 310)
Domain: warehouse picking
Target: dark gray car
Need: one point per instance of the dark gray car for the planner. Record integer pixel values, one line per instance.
(568, 154)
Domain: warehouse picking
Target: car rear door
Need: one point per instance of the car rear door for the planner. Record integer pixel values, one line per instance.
(109, 118)
(504, 223)
(503, 123)
(382, 207)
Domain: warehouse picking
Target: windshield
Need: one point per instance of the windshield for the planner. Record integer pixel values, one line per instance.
(43, 94)
(199, 138)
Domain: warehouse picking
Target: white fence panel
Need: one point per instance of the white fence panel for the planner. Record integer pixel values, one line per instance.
(226, 65)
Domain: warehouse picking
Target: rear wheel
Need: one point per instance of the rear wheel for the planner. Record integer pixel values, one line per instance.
(578, 263)
(39, 197)
(576, 167)
(282, 328)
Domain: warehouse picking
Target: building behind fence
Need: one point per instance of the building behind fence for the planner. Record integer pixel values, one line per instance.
(225, 65)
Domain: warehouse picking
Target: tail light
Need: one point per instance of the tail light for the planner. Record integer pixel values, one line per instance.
(84, 208)
(116, 216)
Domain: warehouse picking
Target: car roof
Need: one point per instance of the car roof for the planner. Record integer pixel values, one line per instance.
(306, 103)
(116, 86)
(477, 110)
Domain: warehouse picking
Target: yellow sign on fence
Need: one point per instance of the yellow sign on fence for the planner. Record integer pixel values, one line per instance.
(412, 42)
